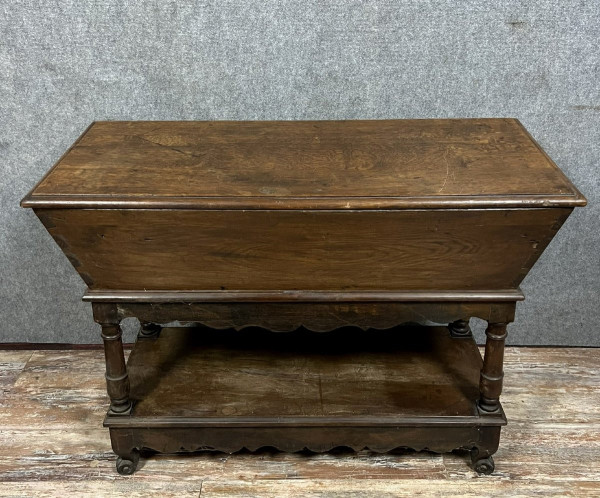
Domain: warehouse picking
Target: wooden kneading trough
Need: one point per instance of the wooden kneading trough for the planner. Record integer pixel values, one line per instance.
(368, 231)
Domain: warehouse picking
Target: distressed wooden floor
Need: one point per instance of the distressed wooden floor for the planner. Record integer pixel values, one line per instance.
(52, 442)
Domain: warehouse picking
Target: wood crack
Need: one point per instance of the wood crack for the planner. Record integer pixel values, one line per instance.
(169, 147)
(445, 156)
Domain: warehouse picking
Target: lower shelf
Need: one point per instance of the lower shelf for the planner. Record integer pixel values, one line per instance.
(253, 388)
(202, 389)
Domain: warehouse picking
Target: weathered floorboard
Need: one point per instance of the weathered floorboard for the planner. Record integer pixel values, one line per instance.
(333, 488)
(11, 365)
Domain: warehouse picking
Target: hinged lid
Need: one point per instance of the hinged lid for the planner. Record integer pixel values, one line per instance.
(392, 164)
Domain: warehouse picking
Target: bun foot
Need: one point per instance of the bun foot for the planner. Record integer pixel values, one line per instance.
(484, 465)
(127, 466)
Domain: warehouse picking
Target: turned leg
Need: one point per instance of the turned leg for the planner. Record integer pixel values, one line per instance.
(460, 329)
(490, 381)
(117, 381)
(148, 330)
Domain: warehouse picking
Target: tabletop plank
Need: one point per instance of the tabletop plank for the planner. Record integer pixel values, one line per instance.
(282, 161)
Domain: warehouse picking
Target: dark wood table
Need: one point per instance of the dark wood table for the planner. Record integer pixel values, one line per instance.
(371, 231)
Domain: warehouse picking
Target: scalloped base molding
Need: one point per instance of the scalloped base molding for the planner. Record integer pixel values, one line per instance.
(483, 440)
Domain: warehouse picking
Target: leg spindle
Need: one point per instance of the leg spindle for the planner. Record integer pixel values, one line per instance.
(117, 381)
(460, 329)
(490, 383)
(149, 330)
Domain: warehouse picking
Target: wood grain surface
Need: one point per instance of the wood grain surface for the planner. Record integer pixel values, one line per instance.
(255, 374)
(461, 250)
(52, 444)
(310, 164)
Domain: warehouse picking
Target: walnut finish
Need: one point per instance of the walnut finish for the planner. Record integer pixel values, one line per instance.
(202, 389)
(262, 376)
(303, 250)
(309, 164)
(339, 227)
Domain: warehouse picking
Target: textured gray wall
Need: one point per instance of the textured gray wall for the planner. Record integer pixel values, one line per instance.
(66, 63)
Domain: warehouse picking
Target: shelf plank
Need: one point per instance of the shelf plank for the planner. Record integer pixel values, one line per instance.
(349, 376)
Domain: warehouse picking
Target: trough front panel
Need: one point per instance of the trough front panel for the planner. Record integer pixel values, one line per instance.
(141, 249)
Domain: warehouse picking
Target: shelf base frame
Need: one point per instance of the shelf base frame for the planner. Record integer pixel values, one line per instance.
(479, 434)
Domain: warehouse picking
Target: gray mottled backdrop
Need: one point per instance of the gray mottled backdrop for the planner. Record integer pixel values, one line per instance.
(66, 63)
